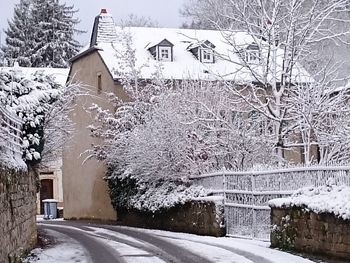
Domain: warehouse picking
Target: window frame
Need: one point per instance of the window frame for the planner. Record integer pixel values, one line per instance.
(252, 56)
(99, 83)
(207, 52)
(164, 48)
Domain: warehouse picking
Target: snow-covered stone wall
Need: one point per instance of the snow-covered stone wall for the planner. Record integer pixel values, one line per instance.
(17, 213)
(200, 217)
(300, 229)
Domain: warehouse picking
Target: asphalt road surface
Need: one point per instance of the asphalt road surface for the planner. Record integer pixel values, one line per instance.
(116, 244)
(100, 253)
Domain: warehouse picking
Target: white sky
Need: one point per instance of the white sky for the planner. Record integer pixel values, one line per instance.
(165, 12)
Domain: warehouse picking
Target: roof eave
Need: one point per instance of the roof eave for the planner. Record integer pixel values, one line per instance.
(84, 53)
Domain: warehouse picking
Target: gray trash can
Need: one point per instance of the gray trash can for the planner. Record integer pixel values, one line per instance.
(50, 208)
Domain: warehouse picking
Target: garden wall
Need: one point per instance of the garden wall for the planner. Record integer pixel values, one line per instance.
(302, 230)
(196, 217)
(17, 213)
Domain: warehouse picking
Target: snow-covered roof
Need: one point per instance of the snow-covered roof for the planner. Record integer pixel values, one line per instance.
(60, 74)
(202, 43)
(157, 42)
(185, 65)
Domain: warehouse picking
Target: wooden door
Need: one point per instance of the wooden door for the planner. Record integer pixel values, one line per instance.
(46, 192)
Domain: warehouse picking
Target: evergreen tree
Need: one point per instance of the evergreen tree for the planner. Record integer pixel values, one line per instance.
(18, 35)
(53, 38)
(41, 34)
(1, 58)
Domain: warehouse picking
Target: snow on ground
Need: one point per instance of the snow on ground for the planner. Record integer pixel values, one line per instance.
(213, 248)
(328, 198)
(255, 247)
(132, 250)
(64, 250)
(131, 254)
(218, 255)
(119, 235)
(40, 218)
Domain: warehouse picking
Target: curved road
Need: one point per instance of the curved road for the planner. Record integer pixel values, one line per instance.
(109, 243)
(100, 252)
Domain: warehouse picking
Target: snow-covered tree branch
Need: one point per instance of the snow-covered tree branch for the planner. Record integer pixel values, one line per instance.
(43, 105)
(41, 34)
(57, 125)
(285, 37)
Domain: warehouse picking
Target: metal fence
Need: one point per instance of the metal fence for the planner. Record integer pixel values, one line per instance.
(10, 135)
(246, 194)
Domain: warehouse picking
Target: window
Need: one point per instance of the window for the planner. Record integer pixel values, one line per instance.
(99, 83)
(162, 51)
(252, 56)
(207, 56)
(164, 54)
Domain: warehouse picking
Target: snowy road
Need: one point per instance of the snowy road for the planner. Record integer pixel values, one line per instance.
(83, 242)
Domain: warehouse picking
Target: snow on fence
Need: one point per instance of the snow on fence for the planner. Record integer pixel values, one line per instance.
(246, 194)
(10, 135)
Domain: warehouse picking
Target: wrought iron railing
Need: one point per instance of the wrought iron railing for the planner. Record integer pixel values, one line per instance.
(246, 194)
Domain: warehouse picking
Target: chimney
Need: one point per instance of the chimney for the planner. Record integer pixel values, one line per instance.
(104, 29)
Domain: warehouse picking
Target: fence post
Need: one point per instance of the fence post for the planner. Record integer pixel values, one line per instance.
(226, 210)
(224, 185)
(253, 201)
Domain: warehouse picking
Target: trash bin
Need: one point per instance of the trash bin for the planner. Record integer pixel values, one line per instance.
(50, 208)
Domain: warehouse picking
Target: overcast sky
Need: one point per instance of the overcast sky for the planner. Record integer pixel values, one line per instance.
(165, 12)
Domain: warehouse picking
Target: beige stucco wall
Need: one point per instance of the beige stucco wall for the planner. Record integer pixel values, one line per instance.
(85, 191)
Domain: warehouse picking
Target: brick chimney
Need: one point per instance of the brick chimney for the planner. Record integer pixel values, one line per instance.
(104, 29)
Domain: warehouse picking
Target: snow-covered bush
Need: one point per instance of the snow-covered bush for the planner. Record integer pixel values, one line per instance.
(39, 101)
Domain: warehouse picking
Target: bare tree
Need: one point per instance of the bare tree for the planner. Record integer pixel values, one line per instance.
(57, 125)
(200, 14)
(322, 119)
(209, 14)
(285, 34)
(133, 20)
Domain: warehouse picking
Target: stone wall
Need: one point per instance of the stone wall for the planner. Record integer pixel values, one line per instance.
(196, 217)
(302, 230)
(17, 214)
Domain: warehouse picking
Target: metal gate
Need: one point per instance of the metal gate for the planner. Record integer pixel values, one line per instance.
(246, 194)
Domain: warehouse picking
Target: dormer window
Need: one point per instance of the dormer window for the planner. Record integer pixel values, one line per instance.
(252, 54)
(203, 51)
(162, 51)
(207, 55)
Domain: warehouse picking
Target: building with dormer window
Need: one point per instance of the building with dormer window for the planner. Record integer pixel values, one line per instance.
(203, 51)
(180, 53)
(162, 51)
